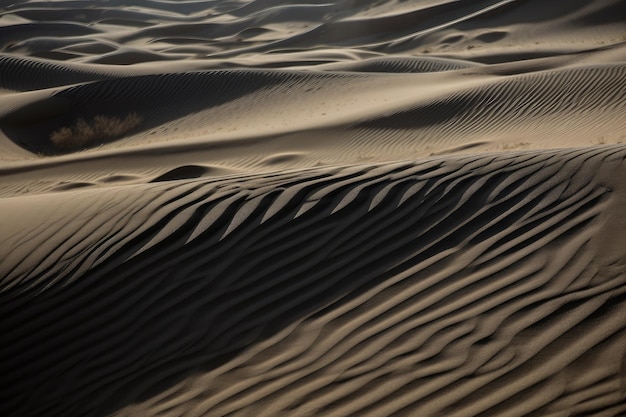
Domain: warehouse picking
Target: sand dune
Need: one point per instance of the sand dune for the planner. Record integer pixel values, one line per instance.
(449, 286)
(349, 208)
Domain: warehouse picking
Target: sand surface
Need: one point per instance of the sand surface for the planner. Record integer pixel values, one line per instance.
(313, 208)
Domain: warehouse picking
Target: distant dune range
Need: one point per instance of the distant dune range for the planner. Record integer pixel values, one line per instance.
(348, 208)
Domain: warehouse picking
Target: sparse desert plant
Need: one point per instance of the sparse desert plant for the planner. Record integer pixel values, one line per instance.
(84, 133)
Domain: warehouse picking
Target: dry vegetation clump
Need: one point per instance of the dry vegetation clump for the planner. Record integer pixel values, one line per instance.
(84, 133)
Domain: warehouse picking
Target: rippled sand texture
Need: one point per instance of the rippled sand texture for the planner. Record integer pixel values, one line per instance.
(351, 208)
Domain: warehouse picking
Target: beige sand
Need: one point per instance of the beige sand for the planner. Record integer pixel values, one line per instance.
(278, 208)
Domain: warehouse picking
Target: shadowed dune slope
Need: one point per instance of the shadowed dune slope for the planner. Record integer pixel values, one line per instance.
(486, 31)
(347, 117)
(331, 82)
(472, 285)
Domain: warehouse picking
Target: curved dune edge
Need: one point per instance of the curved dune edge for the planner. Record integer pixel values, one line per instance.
(215, 120)
(468, 285)
(486, 31)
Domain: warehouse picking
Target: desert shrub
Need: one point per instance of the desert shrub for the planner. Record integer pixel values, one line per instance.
(85, 133)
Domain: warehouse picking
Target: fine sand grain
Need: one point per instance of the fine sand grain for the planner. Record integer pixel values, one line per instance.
(313, 208)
